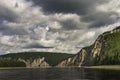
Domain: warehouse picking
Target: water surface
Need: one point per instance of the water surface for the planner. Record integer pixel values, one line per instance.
(59, 74)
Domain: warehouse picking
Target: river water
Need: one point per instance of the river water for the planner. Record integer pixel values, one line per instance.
(59, 74)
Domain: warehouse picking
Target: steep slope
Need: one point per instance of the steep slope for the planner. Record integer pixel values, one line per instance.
(37, 59)
(105, 51)
(111, 54)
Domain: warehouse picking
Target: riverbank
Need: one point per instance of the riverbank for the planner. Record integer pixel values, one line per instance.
(7, 68)
(112, 67)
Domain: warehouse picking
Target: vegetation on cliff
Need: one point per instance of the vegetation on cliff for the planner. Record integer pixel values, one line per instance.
(111, 55)
(51, 58)
(105, 50)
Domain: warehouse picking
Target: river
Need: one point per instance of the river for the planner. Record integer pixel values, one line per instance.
(59, 74)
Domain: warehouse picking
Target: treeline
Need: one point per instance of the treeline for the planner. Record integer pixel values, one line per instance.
(11, 63)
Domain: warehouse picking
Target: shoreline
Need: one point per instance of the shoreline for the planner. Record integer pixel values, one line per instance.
(110, 67)
(11, 68)
(107, 67)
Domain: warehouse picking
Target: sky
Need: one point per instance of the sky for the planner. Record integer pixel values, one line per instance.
(54, 25)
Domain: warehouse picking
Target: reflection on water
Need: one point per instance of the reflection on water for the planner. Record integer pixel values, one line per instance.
(59, 74)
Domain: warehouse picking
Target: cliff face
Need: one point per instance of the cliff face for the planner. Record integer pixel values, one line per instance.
(66, 63)
(37, 59)
(35, 63)
(99, 52)
(86, 55)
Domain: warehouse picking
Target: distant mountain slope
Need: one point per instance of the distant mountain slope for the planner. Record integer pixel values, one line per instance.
(38, 59)
(105, 51)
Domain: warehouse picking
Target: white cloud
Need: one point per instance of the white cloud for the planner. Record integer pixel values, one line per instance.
(112, 6)
(66, 32)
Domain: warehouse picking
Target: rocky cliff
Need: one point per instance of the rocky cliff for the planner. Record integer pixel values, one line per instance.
(35, 63)
(104, 51)
(36, 59)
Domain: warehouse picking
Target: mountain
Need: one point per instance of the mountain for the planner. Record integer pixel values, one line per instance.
(34, 59)
(104, 51)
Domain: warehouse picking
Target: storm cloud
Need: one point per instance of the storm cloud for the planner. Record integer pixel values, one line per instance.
(86, 9)
(55, 26)
(7, 14)
(36, 45)
(68, 6)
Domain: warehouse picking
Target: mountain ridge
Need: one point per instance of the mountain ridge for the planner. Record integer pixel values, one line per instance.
(37, 59)
(92, 55)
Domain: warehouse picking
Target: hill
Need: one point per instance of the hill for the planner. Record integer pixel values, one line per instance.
(37, 59)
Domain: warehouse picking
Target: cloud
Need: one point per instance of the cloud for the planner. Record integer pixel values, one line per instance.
(69, 21)
(68, 6)
(85, 9)
(56, 26)
(36, 45)
(100, 19)
(6, 14)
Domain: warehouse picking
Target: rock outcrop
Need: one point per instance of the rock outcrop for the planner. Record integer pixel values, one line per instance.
(67, 63)
(35, 63)
(37, 59)
(89, 55)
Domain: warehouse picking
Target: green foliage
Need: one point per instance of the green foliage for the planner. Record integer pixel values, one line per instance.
(112, 50)
(51, 58)
(11, 63)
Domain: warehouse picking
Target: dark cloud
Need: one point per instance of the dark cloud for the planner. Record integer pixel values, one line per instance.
(12, 30)
(99, 18)
(36, 45)
(86, 9)
(7, 14)
(67, 6)
(69, 24)
(54, 25)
